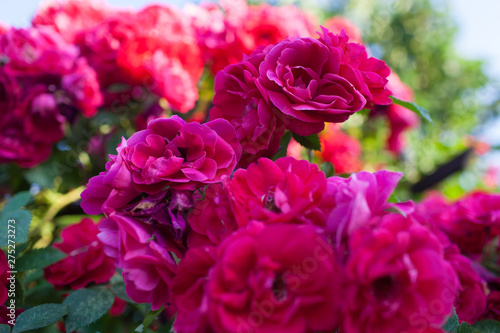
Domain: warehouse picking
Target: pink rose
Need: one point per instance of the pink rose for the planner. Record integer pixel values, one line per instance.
(361, 200)
(238, 99)
(397, 279)
(338, 23)
(35, 51)
(493, 306)
(169, 153)
(287, 190)
(72, 16)
(86, 261)
(261, 279)
(212, 218)
(310, 83)
(147, 266)
(471, 298)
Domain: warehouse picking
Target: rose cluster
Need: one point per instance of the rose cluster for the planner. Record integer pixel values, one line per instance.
(277, 245)
(297, 84)
(44, 84)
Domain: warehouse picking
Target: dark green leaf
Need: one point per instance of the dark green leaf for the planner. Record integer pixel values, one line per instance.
(309, 142)
(328, 169)
(148, 320)
(39, 258)
(42, 175)
(85, 306)
(284, 141)
(39, 316)
(4, 328)
(413, 107)
(18, 201)
(20, 227)
(465, 328)
(452, 323)
(487, 326)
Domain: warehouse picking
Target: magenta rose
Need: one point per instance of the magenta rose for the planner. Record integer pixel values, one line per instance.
(238, 100)
(310, 83)
(271, 278)
(397, 279)
(86, 261)
(148, 267)
(471, 299)
(287, 190)
(361, 200)
(373, 72)
(34, 51)
(212, 218)
(170, 152)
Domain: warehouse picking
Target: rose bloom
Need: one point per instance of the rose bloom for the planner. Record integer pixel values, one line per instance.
(287, 190)
(361, 200)
(4, 268)
(493, 306)
(70, 17)
(238, 99)
(212, 218)
(4, 315)
(340, 149)
(169, 153)
(310, 83)
(471, 299)
(473, 221)
(148, 267)
(397, 279)
(271, 278)
(86, 261)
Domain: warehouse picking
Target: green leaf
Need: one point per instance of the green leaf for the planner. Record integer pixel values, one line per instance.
(487, 326)
(148, 320)
(452, 323)
(20, 228)
(465, 328)
(85, 306)
(19, 200)
(39, 258)
(39, 316)
(4, 328)
(413, 107)
(284, 141)
(309, 142)
(328, 169)
(118, 289)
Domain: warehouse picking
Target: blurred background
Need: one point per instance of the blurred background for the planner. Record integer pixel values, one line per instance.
(448, 52)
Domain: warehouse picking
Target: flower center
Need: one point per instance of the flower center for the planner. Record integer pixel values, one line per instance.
(279, 290)
(383, 287)
(269, 203)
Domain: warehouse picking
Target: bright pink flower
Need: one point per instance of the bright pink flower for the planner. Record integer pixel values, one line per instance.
(3, 28)
(4, 268)
(397, 279)
(340, 149)
(71, 16)
(169, 153)
(287, 190)
(373, 72)
(280, 277)
(212, 218)
(147, 266)
(361, 200)
(473, 221)
(86, 261)
(338, 23)
(238, 100)
(310, 83)
(471, 298)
